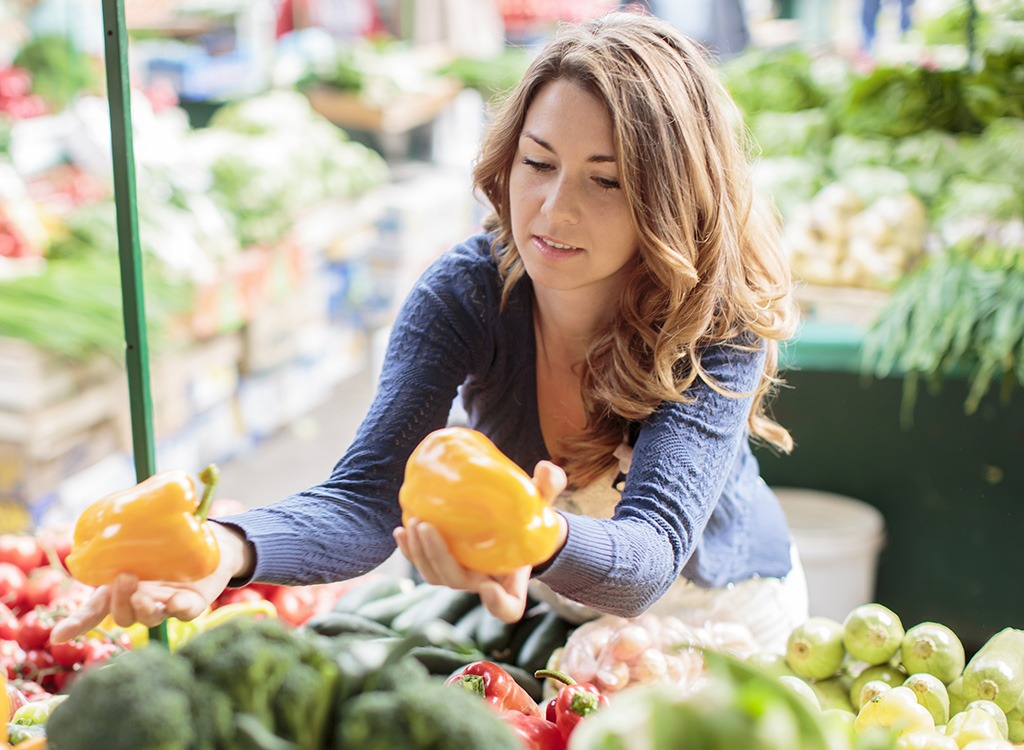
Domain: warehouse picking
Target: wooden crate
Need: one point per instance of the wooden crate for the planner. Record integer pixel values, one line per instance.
(398, 115)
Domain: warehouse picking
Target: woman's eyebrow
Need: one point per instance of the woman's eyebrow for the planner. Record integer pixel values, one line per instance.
(595, 159)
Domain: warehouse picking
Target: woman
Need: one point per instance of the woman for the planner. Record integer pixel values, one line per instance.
(614, 330)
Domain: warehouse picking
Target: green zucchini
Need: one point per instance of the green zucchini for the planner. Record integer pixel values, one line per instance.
(389, 607)
(996, 672)
(466, 625)
(442, 603)
(522, 630)
(493, 636)
(442, 661)
(550, 633)
(377, 587)
(347, 623)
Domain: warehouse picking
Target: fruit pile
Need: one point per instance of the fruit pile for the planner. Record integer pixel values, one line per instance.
(871, 674)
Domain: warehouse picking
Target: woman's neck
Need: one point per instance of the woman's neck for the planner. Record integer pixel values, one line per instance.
(565, 325)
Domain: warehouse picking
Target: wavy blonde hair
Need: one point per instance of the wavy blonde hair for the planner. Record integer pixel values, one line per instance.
(711, 266)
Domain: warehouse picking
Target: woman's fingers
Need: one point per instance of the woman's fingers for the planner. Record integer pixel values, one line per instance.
(85, 618)
(550, 480)
(506, 599)
(121, 591)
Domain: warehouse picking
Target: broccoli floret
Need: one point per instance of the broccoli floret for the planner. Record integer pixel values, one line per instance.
(286, 680)
(140, 700)
(248, 660)
(424, 716)
(303, 706)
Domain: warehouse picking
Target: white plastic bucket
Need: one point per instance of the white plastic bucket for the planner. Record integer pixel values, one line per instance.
(839, 540)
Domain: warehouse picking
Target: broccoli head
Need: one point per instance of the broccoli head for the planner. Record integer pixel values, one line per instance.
(286, 680)
(425, 716)
(146, 699)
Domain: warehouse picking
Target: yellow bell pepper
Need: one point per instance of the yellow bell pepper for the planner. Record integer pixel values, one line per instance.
(156, 530)
(487, 509)
(896, 710)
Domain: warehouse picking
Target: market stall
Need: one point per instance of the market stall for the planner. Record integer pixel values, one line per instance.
(901, 192)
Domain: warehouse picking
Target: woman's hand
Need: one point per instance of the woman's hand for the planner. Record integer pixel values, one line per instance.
(503, 596)
(129, 600)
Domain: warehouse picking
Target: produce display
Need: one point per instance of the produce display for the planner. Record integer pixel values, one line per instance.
(905, 176)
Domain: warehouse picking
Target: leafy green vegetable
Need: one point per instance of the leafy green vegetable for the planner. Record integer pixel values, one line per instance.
(493, 76)
(901, 100)
(959, 314)
(60, 71)
(929, 160)
(773, 80)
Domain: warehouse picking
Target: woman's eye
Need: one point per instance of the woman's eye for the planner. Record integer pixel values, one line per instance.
(539, 166)
(607, 183)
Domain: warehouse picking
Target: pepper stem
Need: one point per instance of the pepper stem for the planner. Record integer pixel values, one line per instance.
(474, 683)
(554, 674)
(209, 476)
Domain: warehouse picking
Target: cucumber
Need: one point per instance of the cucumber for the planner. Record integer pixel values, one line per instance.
(442, 604)
(493, 636)
(441, 634)
(389, 607)
(442, 661)
(347, 623)
(466, 625)
(522, 630)
(377, 587)
(551, 632)
(996, 672)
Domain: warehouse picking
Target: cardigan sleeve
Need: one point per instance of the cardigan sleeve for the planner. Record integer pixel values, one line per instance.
(342, 527)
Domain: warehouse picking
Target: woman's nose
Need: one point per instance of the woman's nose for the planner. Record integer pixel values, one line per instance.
(562, 202)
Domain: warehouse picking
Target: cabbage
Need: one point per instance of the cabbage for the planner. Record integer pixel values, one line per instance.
(774, 80)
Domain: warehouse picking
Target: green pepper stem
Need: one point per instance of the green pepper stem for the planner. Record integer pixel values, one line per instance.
(474, 683)
(209, 476)
(554, 674)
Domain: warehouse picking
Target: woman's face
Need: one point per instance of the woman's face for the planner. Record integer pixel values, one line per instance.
(570, 220)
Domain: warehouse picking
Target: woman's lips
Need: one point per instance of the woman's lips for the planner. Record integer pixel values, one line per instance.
(553, 249)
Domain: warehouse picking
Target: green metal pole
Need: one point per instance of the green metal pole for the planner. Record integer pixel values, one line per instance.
(132, 292)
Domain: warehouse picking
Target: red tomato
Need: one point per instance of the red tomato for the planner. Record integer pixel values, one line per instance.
(43, 585)
(57, 541)
(36, 664)
(69, 653)
(234, 596)
(22, 550)
(72, 596)
(11, 657)
(9, 626)
(12, 585)
(295, 604)
(99, 651)
(34, 632)
(59, 680)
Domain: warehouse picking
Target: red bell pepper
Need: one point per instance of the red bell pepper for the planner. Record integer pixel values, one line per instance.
(497, 687)
(574, 701)
(535, 732)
